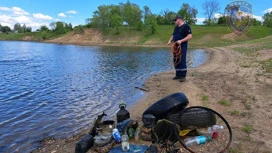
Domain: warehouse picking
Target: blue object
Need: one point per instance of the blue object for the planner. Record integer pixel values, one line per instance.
(132, 149)
(122, 125)
(201, 139)
(116, 135)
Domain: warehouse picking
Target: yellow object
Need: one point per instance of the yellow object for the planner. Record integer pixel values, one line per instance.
(184, 132)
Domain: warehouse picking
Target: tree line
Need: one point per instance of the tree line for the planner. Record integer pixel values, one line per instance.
(131, 15)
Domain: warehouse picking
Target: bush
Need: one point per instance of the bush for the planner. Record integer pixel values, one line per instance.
(79, 29)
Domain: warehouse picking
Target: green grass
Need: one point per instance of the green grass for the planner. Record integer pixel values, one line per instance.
(234, 150)
(204, 98)
(225, 102)
(35, 36)
(247, 128)
(267, 65)
(203, 36)
(235, 112)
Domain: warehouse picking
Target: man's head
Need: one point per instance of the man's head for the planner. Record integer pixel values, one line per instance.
(178, 20)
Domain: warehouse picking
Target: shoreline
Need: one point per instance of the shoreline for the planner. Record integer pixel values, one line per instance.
(221, 77)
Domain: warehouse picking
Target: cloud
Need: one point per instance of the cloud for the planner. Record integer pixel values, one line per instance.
(41, 16)
(200, 21)
(5, 9)
(15, 10)
(267, 10)
(217, 15)
(62, 15)
(259, 18)
(11, 16)
(19, 11)
(71, 12)
(22, 19)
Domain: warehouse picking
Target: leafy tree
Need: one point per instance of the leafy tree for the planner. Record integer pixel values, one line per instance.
(0, 27)
(102, 16)
(146, 12)
(267, 19)
(79, 29)
(131, 12)
(70, 26)
(210, 7)
(256, 22)
(188, 13)
(168, 16)
(222, 20)
(60, 28)
(23, 29)
(17, 27)
(116, 22)
(28, 29)
(151, 22)
(140, 25)
(53, 25)
(5, 29)
(160, 20)
(44, 28)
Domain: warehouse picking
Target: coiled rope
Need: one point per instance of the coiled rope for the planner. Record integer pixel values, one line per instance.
(177, 53)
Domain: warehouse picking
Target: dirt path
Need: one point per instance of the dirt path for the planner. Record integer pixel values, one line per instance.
(221, 78)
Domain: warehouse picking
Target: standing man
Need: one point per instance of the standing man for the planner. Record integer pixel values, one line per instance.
(181, 35)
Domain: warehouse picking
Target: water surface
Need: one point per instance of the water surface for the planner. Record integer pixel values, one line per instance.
(56, 90)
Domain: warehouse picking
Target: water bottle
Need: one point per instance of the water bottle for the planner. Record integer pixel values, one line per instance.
(196, 140)
(125, 143)
(116, 135)
(122, 114)
(131, 132)
(137, 132)
(215, 129)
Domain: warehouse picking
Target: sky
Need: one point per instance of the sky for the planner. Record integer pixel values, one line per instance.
(35, 13)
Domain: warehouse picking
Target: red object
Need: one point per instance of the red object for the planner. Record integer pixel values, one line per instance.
(214, 135)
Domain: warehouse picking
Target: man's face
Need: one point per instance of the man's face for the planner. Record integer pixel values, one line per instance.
(178, 22)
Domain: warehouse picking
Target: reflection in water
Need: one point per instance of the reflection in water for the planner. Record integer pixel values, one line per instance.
(56, 90)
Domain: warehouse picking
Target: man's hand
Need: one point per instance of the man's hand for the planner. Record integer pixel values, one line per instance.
(169, 42)
(179, 42)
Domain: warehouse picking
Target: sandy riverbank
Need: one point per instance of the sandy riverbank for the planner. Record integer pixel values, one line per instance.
(221, 77)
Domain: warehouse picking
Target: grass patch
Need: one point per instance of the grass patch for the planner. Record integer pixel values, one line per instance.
(247, 128)
(203, 36)
(225, 102)
(204, 98)
(234, 150)
(267, 65)
(235, 112)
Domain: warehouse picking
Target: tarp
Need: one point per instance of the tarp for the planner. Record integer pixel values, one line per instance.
(132, 149)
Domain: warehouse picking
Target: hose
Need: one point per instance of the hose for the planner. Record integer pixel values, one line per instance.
(177, 53)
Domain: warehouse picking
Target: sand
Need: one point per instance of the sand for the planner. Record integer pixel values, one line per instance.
(223, 76)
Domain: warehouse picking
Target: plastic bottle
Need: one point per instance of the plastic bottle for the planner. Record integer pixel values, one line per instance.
(131, 132)
(136, 134)
(125, 142)
(122, 114)
(116, 135)
(214, 130)
(196, 140)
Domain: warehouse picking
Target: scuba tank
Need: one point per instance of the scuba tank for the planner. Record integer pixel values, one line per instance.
(122, 114)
